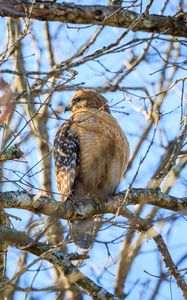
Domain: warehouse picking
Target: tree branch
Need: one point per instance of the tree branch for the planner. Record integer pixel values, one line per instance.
(147, 227)
(58, 258)
(71, 210)
(96, 15)
(86, 208)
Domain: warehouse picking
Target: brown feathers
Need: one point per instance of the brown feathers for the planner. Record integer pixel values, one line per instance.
(91, 151)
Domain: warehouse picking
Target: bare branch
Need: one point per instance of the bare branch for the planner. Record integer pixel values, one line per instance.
(146, 227)
(96, 15)
(59, 259)
(86, 208)
(174, 155)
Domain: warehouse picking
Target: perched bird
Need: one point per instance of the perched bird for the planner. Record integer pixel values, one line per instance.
(91, 154)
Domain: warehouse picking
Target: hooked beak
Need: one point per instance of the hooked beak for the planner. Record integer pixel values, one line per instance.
(67, 108)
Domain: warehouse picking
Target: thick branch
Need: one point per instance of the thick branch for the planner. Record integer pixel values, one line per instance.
(96, 15)
(58, 258)
(86, 208)
(61, 259)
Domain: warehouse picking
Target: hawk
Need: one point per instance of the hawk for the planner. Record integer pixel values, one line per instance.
(91, 155)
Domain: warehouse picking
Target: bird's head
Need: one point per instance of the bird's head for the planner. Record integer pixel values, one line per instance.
(88, 99)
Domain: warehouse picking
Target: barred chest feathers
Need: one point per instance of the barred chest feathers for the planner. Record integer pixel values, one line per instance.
(102, 156)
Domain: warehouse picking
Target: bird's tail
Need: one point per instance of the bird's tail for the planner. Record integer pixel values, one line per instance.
(83, 233)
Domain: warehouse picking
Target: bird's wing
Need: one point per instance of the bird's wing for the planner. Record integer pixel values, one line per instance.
(66, 154)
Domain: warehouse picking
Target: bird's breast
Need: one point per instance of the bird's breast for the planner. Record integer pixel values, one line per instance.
(103, 153)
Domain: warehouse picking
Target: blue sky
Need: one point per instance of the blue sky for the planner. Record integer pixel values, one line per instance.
(92, 73)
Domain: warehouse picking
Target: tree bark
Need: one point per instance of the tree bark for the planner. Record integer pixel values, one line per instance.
(97, 15)
(86, 208)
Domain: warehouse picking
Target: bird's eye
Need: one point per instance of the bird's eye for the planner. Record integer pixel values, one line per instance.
(77, 99)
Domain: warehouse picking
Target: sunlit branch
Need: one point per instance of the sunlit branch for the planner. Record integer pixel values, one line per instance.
(96, 15)
(58, 258)
(84, 209)
(71, 210)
